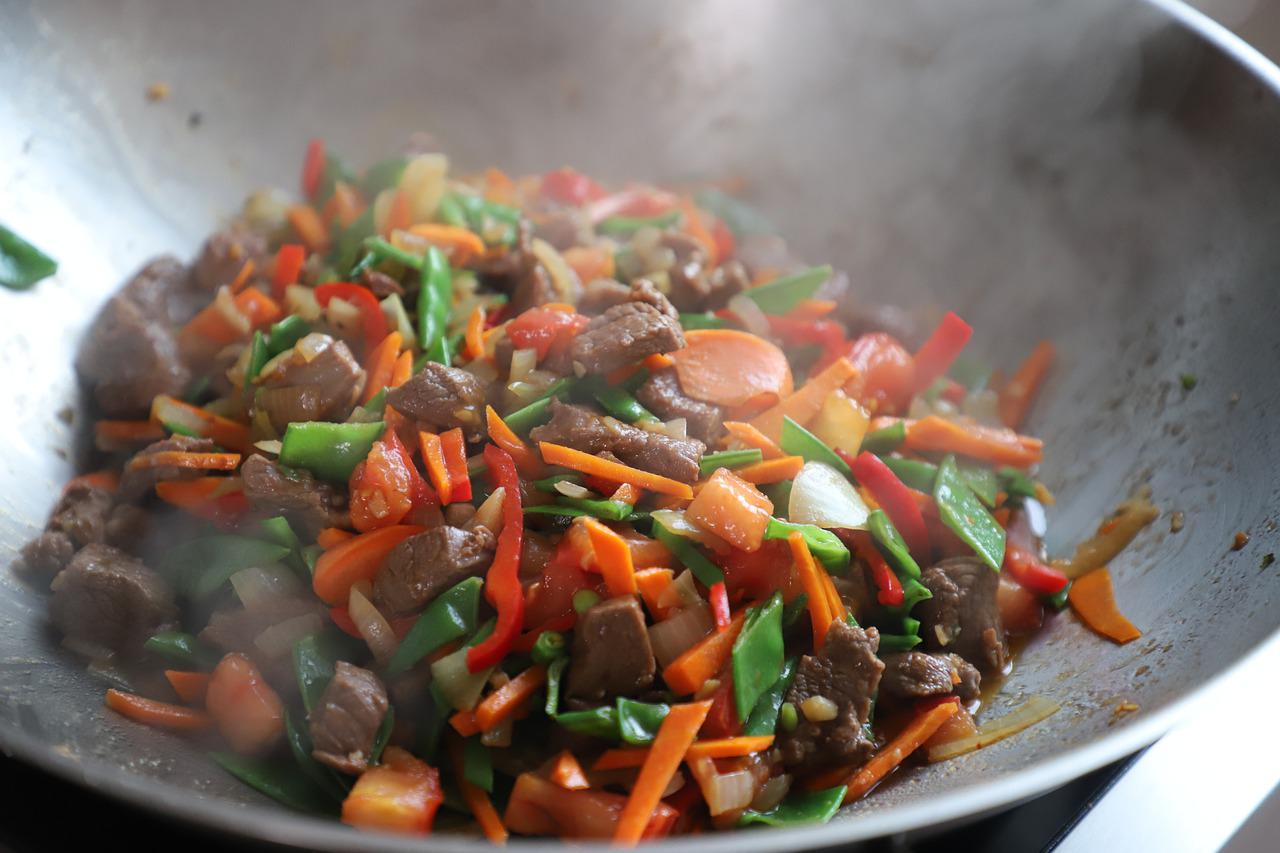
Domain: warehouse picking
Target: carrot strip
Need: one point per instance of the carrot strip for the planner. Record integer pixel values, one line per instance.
(380, 366)
(474, 340)
(458, 243)
(730, 367)
(464, 723)
(804, 405)
(750, 437)
(477, 800)
(819, 604)
(590, 262)
(1093, 599)
(568, 773)
(188, 460)
(730, 747)
(242, 278)
(111, 434)
(403, 369)
(652, 583)
(812, 309)
(613, 557)
(834, 602)
(1019, 392)
(206, 497)
(504, 702)
(771, 470)
(190, 686)
(357, 559)
(686, 674)
(161, 715)
(556, 454)
(437, 468)
(503, 436)
(621, 758)
(309, 227)
(331, 537)
(908, 741)
(676, 733)
(223, 431)
(989, 444)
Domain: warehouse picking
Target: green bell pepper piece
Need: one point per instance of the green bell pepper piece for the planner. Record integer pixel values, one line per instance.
(1058, 601)
(781, 295)
(452, 615)
(257, 358)
(728, 459)
(278, 530)
(800, 808)
(347, 247)
(334, 170)
(201, 566)
(779, 493)
(22, 265)
(539, 411)
(961, 511)
(891, 544)
(450, 211)
(626, 408)
(620, 226)
(701, 320)
(638, 722)
(284, 334)
(278, 781)
(798, 441)
(885, 439)
(182, 649)
(328, 450)
(825, 546)
(756, 659)
(477, 764)
(689, 556)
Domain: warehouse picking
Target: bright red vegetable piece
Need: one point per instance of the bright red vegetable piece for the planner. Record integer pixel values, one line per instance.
(502, 585)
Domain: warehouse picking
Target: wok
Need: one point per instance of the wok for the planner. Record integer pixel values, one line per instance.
(1100, 174)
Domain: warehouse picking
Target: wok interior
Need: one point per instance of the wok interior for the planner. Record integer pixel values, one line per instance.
(1093, 175)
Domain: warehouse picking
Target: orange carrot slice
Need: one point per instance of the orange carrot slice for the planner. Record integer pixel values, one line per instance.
(161, 715)
(357, 559)
(750, 437)
(730, 367)
(1019, 392)
(803, 406)
(555, 454)
(1093, 599)
(613, 557)
(676, 733)
(686, 674)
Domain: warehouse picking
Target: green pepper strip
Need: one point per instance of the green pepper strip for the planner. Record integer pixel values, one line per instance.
(764, 717)
(623, 406)
(328, 450)
(538, 412)
(554, 673)
(891, 544)
(371, 411)
(279, 782)
(22, 265)
(383, 735)
(728, 459)
(798, 809)
(798, 441)
(452, 615)
(347, 247)
(434, 301)
(885, 439)
(825, 546)
(1058, 601)
(757, 656)
(279, 531)
(257, 358)
(1016, 483)
(597, 722)
(477, 764)
(182, 649)
(383, 175)
(450, 212)
(285, 334)
(703, 320)
(381, 251)
(961, 511)
(605, 510)
(201, 566)
(619, 226)
(689, 556)
(781, 295)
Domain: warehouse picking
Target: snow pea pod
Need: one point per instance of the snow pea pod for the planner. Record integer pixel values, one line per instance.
(961, 511)
(757, 658)
(452, 615)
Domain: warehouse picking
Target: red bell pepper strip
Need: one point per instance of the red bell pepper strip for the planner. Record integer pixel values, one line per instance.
(502, 584)
(896, 500)
(312, 168)
(454, 448)
(569, 186)
(720, 605)
(420, 490)
(935, 356)
(541, 328)
(637, 201)
(289, 260)
(1032, 574)
(371, 316)
(889, 588)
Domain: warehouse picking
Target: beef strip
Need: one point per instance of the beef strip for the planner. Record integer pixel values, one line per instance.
(128, 358)
(917, 675)
(582, 429)
(623, 335)
(126, 527)
(963, 616)
(694, 287)
(611, 655)
(308, 503)
(423, 566)
(847, 672)
(661, 394)
(319, 380)
(225, 252)
(137, 483)
(106, 599)
(345, 722)
(441, 397)
(605, 293)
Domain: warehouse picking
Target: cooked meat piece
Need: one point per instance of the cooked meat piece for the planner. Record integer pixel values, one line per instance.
(105, 598)
(602, 294)
(518, 273)
(308, 503)
(127, 359)
(165, 291)
(847, 673)
(623, 335)
(856, 590)
(382, 284)
(136, 484)
(126, 527)
(225, 252)
(235, 629)
(563, 229)
(583, 429)
(644, 290)
(48, 553)
(916, 675)
(318, 381)
(345, 722)
(662, 395)
(963, 616)
(611, 655)
(693, 286)
(441, 397)
(862, 319)
(79, 518)
(423, 566)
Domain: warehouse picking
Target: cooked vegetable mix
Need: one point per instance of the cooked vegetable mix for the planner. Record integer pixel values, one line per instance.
(548, 504)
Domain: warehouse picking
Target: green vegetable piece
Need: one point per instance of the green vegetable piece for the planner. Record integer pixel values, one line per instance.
(971, 372)
(539, 411)
(701, 320)
(707, 572)
(22, 265)
(257, 358)
(313, 664)
(788, 717)
(548, 484)
(794, 609)
(310, 554)
(825, 546)
(1189, 381)
(798, 441)
(597, 722)
(728, 459)
(322, 777)
(451, 212)
(435, 298)
(381, 251)
(450, 616)
(1016, 483)
(549, 647)
(334, 170)
(779, 493)
(781, 295)
(427, 740)
(961, 511)
(584, 600)
(741, 218)
(201, 566)
(891, 544)
(328, 450)
(981, 480)
(182, 649)
(277, 780)
(1058, 601)
(800, 808)
(913, 592)
(766, 715)
(914, 473)
(898, 642)
(347, 247)
(554, 673)
(603, 509)
(383, 175)
(623, 406)
(477, 764)
(757, 658)
(620, 226)
(382, 735)
(285, 334)
(638, 722)
(885, 439)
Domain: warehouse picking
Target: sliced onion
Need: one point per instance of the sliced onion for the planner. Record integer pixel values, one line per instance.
(772, 792)
(983, 406)
(309, 347)
(273, 364)
(682, 592)
(821, 495)
(167, 410)
(398, 319)
(482, 370)
(675, 428)
(272, 446)
(724, 792)
(1035, 709)
(489, 513)
(288, 403)
(259, 586)
(236, 372)
(302, 301)
(750, 314)
(677, 633)
(572, 490)
(678, 523)
(423, 181)
(1125, 523)
(225, 304)
(563, 279)
(372, 625)
(460, 686)
(343, 316)
(278, 640)
(523, 361)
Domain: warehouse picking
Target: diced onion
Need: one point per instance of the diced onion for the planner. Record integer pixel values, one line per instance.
(423, 181)
(724, 792)
(460, 686)
(523, 360)
(819, 709)
(398, 319)
(674, 635)
(572, 490)
(821, 495)
(258, 586)
(750, 314)
(675, 428)
(1027, 714)
(772, 792)
(264, 211)
(563, 279)
(225, 304)
(343, 316)
(841, 423)
(310, 346)
(302, 301)
(489, 513)
(682, 592)
(278, 640)
(372, 625)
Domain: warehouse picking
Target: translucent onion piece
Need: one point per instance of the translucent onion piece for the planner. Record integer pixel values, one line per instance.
(271, 446)
(344, 317)
(674, 635)
(398, 319)
(259, 586)
(821, 495)
(489, 513)
(572, 490)
(773, 791)
(460, 686)
(983, 407)
(373, 626)
(1124, 524)
(312, 345)
(302, 301)
(563, 279)
(682, 592)
(678, 523)
(1027, 714)
(724, 792)
(277, 641)
(523, 361)
(675, 428)
(750, 314)
(423, 181)
(225, 304)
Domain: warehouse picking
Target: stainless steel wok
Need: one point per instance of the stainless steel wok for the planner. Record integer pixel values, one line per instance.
(1093, 172)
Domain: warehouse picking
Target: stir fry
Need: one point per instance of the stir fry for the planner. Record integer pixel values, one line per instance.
(432, 501)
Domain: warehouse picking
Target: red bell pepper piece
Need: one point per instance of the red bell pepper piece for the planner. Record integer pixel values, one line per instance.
(312, 168)
(889, 588)
(637, 201)
(722, 720)
(289, 261)
(540, 328)
(725, 243)
(502, 584)
(455, 460)
(885, 376)
(896, 500)
(935, 356)
(720, 605)
(1028, 571)
(569, 186)
(373, 320)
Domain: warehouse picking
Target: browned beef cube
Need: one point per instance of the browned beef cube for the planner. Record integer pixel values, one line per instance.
(662, 395)
(423, 566)
(107, 600)
(128, 358)
(624, 335)
(582, 429)
(963, 616)
(441, 397)
(611, 655)
(306, 502)
(345, 722)
(319, 380)
(918, 675)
